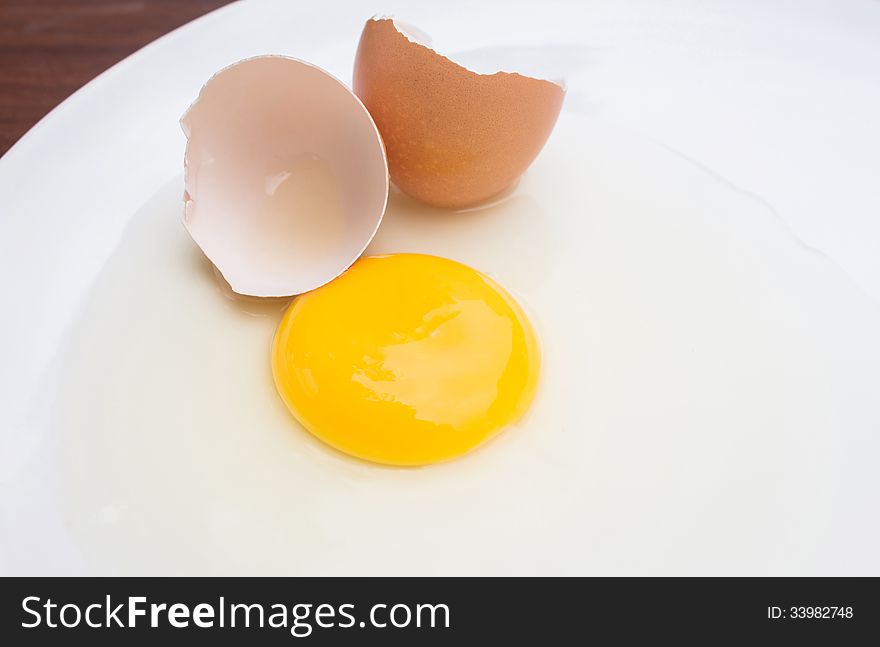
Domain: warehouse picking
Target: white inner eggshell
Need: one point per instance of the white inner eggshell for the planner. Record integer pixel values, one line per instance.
(286, 175)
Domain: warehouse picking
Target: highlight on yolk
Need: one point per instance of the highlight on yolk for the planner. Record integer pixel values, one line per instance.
(406, 359)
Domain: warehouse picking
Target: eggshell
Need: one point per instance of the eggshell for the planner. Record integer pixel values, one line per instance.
(453, 137)
(286, 175)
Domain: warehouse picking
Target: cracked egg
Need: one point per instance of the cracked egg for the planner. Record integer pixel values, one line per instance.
(454, 138)
(286, 179)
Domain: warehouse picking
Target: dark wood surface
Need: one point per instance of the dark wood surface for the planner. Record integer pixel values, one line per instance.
(50, 48)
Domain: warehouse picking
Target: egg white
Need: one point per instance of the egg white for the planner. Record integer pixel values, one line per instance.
(700, 365)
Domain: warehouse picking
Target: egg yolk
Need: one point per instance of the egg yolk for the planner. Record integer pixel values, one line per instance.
(406, 359)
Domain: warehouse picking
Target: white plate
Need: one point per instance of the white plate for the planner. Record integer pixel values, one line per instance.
(762, 114)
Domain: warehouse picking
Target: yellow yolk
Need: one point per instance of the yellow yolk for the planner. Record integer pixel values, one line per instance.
(406, 359)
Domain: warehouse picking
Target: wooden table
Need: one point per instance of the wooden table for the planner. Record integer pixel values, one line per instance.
(50, 48)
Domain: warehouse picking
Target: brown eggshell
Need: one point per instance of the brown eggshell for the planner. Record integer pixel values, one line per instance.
(453, 137)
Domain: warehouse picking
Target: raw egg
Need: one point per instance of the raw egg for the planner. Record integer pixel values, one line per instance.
(453, 137)
(406, 359)
(286, 176)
